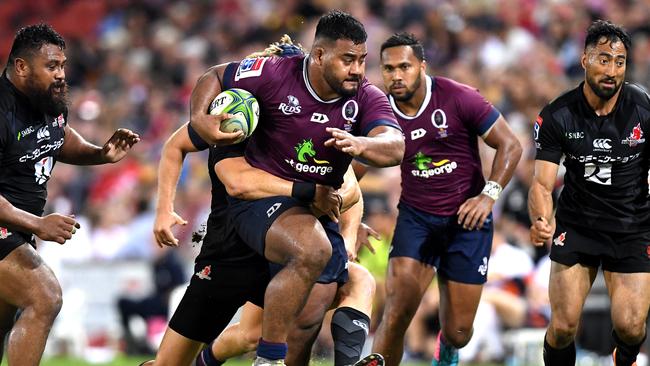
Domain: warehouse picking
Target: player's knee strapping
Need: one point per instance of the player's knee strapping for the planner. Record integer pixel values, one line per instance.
(625, 353)
(349, 330)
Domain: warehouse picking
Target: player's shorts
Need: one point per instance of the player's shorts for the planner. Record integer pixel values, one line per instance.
(10, 240)
(252, 220)
(616, 252)
(459, 255)
(214, 294)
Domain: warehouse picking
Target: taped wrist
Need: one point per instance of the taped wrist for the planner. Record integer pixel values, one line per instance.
(303, 191)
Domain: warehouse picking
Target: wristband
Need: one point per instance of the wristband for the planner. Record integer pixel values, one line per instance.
(492, 189)
(303, 191)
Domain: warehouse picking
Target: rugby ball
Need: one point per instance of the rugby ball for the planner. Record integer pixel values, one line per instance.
(242, 105)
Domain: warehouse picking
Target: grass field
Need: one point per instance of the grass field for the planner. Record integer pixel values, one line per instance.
(134, 361)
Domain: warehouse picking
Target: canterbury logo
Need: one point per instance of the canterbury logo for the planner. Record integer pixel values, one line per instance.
(361, 325)
(605, 144)
(43, 133)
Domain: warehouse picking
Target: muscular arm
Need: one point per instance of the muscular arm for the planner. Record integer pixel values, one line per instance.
(15, 218)
(76, 150)
(508, 151)
(540, 201)
(384, 146)
(349, 225)
(350, 190)
(169, 170)
(207, 87)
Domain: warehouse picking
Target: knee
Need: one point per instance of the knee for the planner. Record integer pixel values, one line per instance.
(631, 331)
(364, 280)
(313, 257)
(47, 304)
(563, 331)
(459, 337)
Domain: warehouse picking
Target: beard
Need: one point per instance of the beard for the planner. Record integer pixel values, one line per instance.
(337, 86)
(605, 94)
(48, 101)
(408, 94)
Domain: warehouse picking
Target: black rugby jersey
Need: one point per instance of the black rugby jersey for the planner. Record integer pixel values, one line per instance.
(221, 242)
(30, 141)
(606, 159)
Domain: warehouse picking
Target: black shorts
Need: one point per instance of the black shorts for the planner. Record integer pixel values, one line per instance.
(252, 220)
(10, 240)
(616, 252)
(214, 294)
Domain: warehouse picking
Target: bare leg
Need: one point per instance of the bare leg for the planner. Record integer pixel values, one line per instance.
(240, 337)
(406, 283)
(176, 350)
(458, 304)
(29, 284)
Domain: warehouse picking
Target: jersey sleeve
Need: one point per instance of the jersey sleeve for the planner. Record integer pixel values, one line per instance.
(251, 74)
(229, 151)
(475, 111)
(376, 111)
(4, 134)
(547, 134)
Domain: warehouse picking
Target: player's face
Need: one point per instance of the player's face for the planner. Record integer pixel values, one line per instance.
(45, 83)
(402, 72)
(604, 67)
(345, 66)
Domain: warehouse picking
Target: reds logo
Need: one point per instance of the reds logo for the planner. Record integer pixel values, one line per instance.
(204, 274)
(559, 241)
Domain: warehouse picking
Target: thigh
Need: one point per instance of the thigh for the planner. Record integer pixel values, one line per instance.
(26, 278)
(458, 303)
(176, 349)
(467, 252)
(572, 245)
(336, 269)
(568, 289)
(406, 281)
(630, 295)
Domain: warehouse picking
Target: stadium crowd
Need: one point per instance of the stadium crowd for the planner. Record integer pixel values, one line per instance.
(133, 64)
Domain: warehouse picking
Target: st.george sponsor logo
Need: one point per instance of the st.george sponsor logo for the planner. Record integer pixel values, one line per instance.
(425, 170)
(305, 150)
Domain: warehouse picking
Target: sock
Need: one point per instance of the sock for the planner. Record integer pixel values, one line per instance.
(559, 357)
(625, 353)
(271, 351)
(206, 358)
(349, 330)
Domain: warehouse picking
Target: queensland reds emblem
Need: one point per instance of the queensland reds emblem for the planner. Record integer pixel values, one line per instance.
(439, 120)
(350, 111)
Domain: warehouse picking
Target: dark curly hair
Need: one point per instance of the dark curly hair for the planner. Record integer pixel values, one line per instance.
(30, 39)
(405, 39)
(337, 25)
(612, 32)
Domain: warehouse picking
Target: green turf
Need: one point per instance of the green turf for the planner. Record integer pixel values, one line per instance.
(134, 361)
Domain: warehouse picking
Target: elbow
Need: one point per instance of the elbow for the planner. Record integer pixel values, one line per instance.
(238, 188)
(396, 154)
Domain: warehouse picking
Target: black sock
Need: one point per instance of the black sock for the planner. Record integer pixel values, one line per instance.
(349, 330)
(206, 358)
(625, 353)
(559, 357)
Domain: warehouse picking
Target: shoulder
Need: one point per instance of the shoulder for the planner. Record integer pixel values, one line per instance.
(562, 103)
(369, 90)
(453, 88)
(637, 94)
(272, 66)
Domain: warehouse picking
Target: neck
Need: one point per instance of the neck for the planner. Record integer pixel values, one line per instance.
(600, 106)
(15, 81)
(411, 106)
(317, 81)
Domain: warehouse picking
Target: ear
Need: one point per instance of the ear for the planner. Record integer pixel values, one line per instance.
(423, 65)
(583, 60)
(317, 54)
(21, 67)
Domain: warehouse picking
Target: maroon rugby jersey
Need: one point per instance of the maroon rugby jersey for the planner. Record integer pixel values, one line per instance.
(441, 167)
(289, 140)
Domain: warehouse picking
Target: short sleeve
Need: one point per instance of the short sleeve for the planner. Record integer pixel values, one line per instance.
(4, 135)
(475, 111)
(376, 110)
(547, 133)
(230, 151)
(251, 74)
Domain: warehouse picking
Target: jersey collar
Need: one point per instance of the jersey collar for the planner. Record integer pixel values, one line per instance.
(305, 77)
(425, 102)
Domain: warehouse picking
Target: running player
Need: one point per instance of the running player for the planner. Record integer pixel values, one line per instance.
(317, 113)
(603, 213)
(34, 135)
(445, 220)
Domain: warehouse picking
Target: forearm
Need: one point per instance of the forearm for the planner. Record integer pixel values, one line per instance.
(540, 202)
(505, 162)
(384, 149)
(16, 219)
(349, 223)
(249, 183)
(207, 88)
(350, 190)
(169, 171)
(81, 152)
